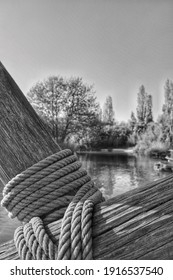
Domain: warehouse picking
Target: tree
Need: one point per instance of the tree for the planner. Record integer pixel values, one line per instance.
(46, 98)
(149, 106)
(68, 105)
(167, 107)
(141, 108)
(132, 121)
(108, 112)
(166, 119)
(144, 109)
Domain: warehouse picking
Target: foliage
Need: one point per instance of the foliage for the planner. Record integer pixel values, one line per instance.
(151, 140)
(111, 136)
(132, 121)
(166, 119)
(144, 108)
(68, 105)
(108, 112)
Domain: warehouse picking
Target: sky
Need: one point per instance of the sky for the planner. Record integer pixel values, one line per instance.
(116, 45)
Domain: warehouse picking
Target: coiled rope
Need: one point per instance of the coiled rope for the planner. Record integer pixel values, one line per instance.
(33, 243)
(40, 195)
(76, 230)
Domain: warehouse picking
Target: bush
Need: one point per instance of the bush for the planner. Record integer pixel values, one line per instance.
(158, 148)
(151, 141)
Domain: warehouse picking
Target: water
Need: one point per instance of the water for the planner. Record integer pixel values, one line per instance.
(117, 174)
(7, 225)
(112, 174)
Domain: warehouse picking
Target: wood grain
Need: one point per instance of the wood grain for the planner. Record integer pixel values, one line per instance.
(24, 139)
(125, 231)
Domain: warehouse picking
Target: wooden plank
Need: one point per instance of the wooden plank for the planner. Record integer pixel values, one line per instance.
(122, 224)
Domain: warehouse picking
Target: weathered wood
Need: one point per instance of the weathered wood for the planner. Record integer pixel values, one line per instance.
(125, 231)
(24, 139)
(134, 225)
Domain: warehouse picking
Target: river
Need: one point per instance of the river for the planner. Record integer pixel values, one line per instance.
(113, 174)
(118, 173)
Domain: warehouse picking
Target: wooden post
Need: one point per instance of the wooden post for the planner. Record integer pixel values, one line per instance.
(135, 225)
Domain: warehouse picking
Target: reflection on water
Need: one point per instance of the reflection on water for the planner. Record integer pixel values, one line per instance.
(112, 174)
(116, 174)
(7, 225)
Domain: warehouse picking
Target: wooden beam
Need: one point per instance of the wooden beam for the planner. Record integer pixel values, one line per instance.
(24, 140)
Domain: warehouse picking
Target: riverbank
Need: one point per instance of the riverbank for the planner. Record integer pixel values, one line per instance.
(108, 152)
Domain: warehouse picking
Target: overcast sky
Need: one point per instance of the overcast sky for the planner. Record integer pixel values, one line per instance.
(117, 45)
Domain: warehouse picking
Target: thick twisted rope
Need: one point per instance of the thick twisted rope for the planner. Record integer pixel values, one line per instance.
(33, 243)
(75, 241)
(44, 188)
(40, 195)
(76, 230)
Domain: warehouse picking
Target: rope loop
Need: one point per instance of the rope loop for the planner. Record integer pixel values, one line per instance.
(53, 188)
(44, 188)
(33, 243)
(75, 240)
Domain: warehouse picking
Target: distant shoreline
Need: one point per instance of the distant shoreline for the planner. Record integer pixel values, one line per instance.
(109, 152)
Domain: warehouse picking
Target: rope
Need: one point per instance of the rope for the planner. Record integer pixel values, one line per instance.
(33, 243)
(44, 188)
(76, 231)
(75, 241)
(53, 188)
(35, 168)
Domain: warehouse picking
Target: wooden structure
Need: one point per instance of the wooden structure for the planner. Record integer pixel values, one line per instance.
(135, 225)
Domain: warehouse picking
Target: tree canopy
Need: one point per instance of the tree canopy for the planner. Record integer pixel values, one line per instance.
(144, 107)
(108, 112)
(69, 106)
